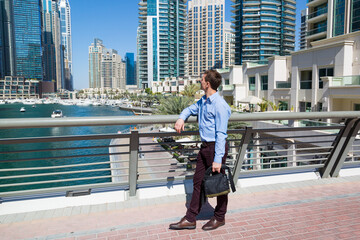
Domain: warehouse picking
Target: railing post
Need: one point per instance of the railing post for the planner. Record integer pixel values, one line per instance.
(341, 148)
(241, 153)
(133, 162)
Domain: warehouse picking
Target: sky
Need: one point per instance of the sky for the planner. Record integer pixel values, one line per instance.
(115, 22)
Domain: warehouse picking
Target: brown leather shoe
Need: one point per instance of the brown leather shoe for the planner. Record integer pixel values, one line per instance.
(213, 224)
(183, 224)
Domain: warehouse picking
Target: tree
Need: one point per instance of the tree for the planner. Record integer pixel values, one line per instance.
(190, 90)
(174, 105)
(263, 105)
(274, 106)
(148, 91)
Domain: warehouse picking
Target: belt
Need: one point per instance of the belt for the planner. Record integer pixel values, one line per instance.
(206, 144)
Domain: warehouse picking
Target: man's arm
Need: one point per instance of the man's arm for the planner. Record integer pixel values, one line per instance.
(191, 110)
(221, 122)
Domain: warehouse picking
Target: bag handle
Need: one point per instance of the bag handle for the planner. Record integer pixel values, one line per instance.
(223, 166)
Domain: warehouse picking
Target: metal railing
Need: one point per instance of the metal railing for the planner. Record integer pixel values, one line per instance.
(57, 164)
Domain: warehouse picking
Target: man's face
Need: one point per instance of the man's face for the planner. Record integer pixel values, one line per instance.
(204, 84)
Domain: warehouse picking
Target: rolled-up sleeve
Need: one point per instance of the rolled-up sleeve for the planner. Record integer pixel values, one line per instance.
(221, 123)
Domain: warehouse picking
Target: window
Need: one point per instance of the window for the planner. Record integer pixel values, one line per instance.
(323, 72)
(264, 82)
(252, 83)
(306, 79)
(305, 106)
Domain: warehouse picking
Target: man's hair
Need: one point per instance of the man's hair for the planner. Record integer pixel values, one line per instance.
(214, 78)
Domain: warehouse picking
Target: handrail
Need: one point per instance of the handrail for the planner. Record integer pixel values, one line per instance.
(161, 119)
(264, 148)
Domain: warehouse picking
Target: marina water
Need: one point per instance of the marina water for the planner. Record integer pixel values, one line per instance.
(45, 111)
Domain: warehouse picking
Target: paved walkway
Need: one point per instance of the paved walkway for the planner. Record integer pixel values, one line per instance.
(314, 209)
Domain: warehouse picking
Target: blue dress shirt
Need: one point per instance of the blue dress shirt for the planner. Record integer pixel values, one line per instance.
(213, 115)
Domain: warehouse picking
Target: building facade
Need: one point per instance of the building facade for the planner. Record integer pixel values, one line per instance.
(303, 28)
(21, 38)
(325, 77)
(112, 70)
(263, 29)
(19, 87)
(96, 50)
(330, 18)
(162, 40)
(229, 45)
(53, 58)
(206, 20)
(106, 68)
(66, 41)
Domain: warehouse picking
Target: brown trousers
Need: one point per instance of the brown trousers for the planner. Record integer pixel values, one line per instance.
(205, 159)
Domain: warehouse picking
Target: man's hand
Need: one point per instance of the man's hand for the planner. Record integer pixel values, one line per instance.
(179, 125)
(216, 167)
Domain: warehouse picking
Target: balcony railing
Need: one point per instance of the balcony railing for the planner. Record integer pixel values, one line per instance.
(80, 164)
(283, 84)
(346, 81)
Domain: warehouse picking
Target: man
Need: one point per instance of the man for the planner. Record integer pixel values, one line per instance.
(213, 115)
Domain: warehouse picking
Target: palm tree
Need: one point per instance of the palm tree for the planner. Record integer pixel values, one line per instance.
(190, 90)
(263, 105)
(174, 105)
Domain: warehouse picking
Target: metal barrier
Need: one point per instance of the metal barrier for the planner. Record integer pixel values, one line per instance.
(271, 142)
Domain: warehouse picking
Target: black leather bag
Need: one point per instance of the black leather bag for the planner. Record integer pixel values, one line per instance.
(217, 184)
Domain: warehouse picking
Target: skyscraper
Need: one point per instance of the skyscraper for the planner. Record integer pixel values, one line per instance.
(162, 40)
(66, 41)
(130, 69)
(2, 47)
(53, 58)
(229, 41)
(106, 68)
(206, 35)
(96, 50)
(112, 68)
(21, 39)
(263, 29)
(331, 18)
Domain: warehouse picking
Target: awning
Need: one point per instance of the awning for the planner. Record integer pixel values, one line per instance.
(251, 100)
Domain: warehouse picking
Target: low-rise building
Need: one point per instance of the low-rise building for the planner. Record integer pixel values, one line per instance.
(19, 87)
(325, 77)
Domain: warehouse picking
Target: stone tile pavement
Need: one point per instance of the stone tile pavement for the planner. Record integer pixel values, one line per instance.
(313, 209)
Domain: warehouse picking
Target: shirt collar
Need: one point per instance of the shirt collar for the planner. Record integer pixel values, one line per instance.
(211, 98)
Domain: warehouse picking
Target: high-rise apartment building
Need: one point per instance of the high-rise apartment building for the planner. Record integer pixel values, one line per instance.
(206, 21)
(330, 18)
(229, 42)
(96, 50)
(111, 70)
(66, 41)
(106, 68)
(162, 40)
(263, 29)
(53, 58)
(21, 39)
(130, 69)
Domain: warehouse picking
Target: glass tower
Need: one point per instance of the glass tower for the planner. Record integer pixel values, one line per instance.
(66, 41)
(263, 29)
(2, 52)
(162, 40)
(27, 32)
(130, 69)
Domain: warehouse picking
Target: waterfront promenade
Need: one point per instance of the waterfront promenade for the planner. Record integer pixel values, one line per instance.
(312, 209)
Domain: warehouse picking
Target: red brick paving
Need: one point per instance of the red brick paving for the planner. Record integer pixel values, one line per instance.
(326, 211)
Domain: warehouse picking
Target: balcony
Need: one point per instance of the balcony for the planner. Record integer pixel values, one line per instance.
(281, 85)
(345, 81)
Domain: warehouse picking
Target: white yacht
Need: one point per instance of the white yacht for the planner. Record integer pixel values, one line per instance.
(22, 109)
(57, 114)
